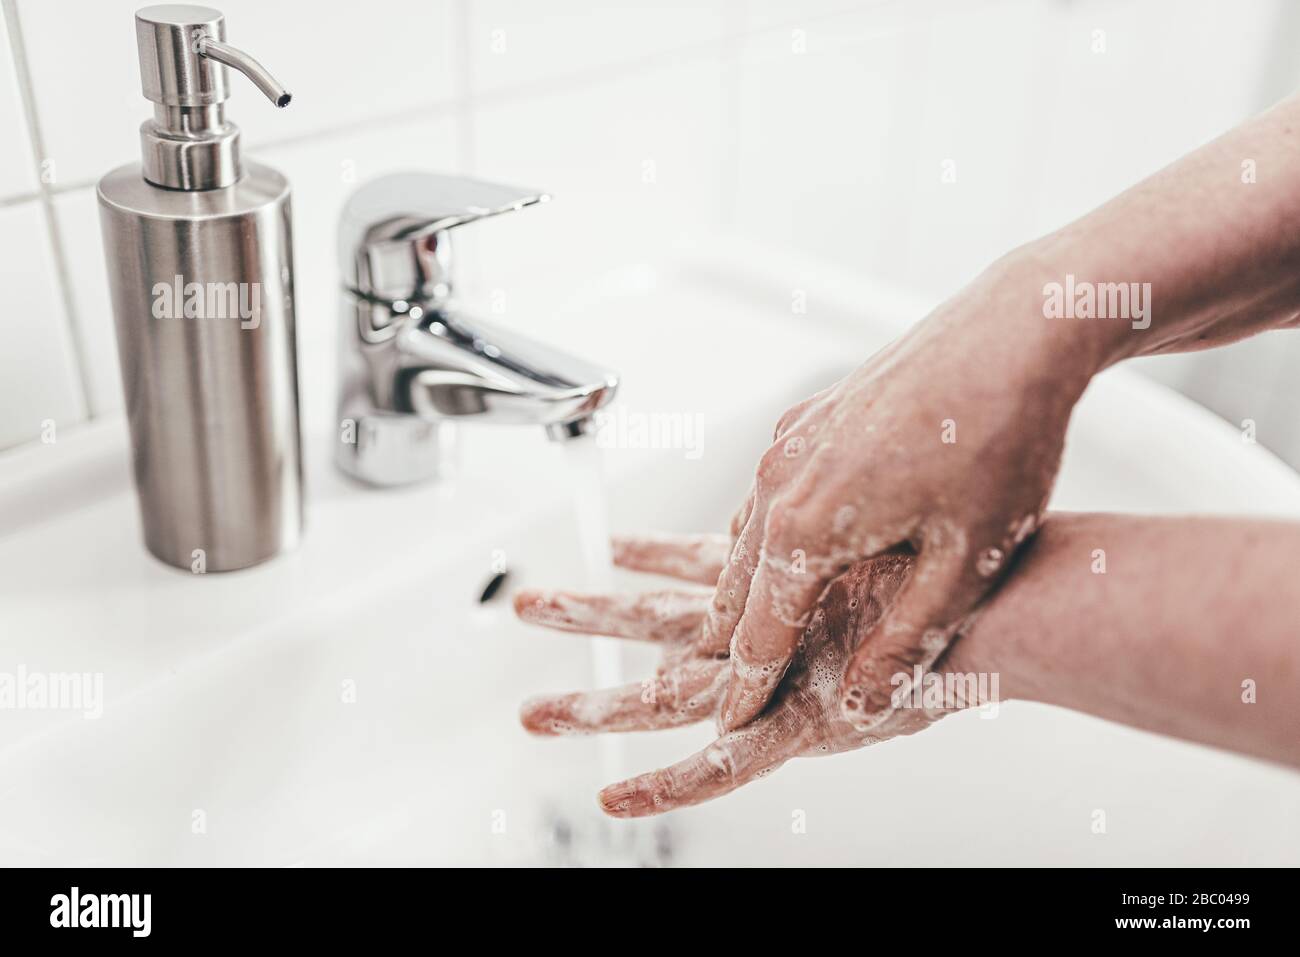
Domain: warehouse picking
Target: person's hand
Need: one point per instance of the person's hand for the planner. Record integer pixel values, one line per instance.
(946, 444)
(804, 718)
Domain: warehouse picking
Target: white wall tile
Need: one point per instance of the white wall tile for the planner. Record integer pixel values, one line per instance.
(17, 171)
(516, 42)
(344, 65)
(37, 377)
(841, 148)
(845, 132)
(634, 163)
(971, 144)
(1170, 75)
(789, 17)
(77, 212)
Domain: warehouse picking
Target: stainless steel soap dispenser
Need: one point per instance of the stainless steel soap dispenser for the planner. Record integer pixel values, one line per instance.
(200, 265)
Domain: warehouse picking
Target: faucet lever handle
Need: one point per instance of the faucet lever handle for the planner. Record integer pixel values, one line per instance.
(392, 240)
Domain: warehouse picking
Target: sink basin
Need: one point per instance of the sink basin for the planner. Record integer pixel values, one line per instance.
(354, 702)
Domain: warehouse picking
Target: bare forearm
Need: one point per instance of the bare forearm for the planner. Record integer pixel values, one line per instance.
(1189, 628)
(1211, 244)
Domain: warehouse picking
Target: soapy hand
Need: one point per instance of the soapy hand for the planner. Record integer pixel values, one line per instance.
(946, 445)
(804, 718)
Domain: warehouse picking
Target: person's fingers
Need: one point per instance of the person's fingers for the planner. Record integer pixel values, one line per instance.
(732, 760)
(775, 469)
(780, 602)
(732, 589)
(795, 414)
(799, 558)
(795, 569)
(693, 558)
(740, 519)
(682, 695)
(663, 616)
(914, 630)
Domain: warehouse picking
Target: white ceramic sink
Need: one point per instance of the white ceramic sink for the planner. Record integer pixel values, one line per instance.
(225, 696)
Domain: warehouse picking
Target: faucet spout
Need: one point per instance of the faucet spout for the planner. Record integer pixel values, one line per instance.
(453, 367)
(408, 371)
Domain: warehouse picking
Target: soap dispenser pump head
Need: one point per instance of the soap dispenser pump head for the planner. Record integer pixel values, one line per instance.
(183, 60)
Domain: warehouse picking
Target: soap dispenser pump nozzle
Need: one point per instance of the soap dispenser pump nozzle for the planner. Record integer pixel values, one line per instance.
(183, 59)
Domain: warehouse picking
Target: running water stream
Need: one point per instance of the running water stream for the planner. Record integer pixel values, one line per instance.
(585, 463)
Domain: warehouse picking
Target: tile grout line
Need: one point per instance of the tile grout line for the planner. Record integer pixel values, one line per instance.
(465, 128)
(465, 100)
(658, 59)
(9, 9)
(430, 109)
(396, 118)
(466, 134)
(17, 199)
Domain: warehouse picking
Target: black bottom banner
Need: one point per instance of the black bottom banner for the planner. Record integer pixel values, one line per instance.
(137, 907)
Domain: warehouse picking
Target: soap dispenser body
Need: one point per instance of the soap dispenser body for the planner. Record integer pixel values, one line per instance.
(200, 267)
(202, 294)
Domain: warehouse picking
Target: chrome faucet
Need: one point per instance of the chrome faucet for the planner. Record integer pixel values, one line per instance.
(410, 360)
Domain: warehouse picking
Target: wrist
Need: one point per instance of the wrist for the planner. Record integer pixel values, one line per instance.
(1083, 313)
(976, 653)
(997, 325)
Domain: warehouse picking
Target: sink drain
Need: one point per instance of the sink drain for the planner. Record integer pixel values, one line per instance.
(492, 587)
